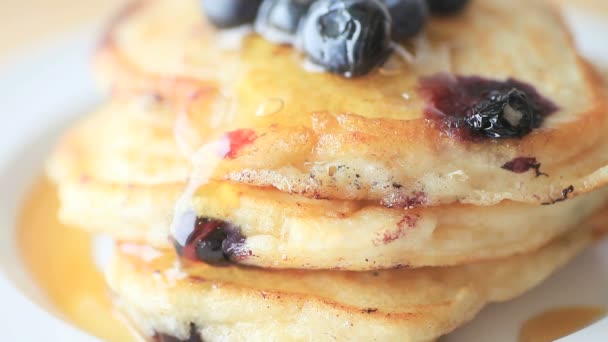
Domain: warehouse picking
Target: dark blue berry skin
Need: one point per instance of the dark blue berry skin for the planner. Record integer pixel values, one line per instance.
(446, 7)
(213, 241)
(194, 336)
(504, 114)
(278, 20)
(210, 248)
(349, 37)
(230, 13)
(408, 17)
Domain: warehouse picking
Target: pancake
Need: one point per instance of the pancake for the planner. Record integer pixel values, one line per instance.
(235, 304)
(128, 141)
(137, 204)
(376, 137)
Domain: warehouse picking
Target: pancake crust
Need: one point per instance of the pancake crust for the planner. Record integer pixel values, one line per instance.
(295, 232)
(235, 304)
(375, 145)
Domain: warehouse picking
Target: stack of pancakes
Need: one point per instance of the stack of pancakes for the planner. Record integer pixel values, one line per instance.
(348, 212)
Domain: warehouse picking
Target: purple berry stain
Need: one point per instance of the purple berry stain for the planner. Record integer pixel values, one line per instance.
(524, 164)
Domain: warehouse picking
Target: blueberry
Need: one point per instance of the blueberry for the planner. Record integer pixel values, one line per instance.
(408, 16)
(230, 13)
(213, 241)
(446, 7)
(278, 20)
(349, 37)
(210, 248)
(194, 336)
(503, 114)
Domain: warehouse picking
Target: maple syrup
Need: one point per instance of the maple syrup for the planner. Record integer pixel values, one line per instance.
(60, 261)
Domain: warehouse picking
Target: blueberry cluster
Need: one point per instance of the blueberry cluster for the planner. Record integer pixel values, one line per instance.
(347, 37)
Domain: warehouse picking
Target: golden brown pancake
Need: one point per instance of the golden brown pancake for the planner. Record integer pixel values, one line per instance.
(376, 137)
(235, 304)
(128, 187)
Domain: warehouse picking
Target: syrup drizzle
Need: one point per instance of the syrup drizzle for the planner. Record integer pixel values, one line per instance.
(208, 239)
(203, 161)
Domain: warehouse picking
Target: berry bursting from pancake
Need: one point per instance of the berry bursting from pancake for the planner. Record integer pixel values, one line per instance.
(476, 108)
(209, 240)
(503, 114)
(194, 336)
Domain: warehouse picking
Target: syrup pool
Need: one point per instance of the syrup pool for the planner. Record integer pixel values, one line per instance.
(559, 322)
(60, 261)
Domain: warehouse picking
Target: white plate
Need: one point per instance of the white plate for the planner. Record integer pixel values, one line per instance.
(40, 94)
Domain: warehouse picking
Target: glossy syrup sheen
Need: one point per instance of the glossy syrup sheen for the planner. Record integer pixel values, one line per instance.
(557, 323)
(60, 261)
